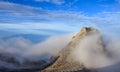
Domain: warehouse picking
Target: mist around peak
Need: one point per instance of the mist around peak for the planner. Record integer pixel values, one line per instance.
(98, 52)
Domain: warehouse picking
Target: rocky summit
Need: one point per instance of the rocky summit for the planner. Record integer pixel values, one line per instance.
(64, 62)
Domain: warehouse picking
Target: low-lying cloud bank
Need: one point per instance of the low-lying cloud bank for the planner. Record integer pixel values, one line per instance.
(18, 49)
(89, 51)
(51, 46)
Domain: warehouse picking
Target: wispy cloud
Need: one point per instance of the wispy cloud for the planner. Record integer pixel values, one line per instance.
(22, 49)
(8, 8)
(30, 19)
(37, 28)
(58, 2)
(28, 13)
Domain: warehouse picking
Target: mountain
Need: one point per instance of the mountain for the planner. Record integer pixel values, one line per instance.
(65, 62)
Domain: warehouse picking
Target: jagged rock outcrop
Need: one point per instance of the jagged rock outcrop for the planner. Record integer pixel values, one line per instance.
(64, 62)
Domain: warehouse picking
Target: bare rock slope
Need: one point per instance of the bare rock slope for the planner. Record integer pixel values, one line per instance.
(64, 61)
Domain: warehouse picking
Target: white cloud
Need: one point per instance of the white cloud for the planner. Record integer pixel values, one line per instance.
(27, 13)
(36, 27)
(17, 9)
(56, 20)
(14, 45)
(94, 56)
(58, 2)
(22, 49)
(51, 46)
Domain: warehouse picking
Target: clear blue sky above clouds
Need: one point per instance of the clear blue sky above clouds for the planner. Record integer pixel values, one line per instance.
(58, 16)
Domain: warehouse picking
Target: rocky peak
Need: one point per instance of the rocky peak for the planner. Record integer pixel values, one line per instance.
(64, 62)
(85, 31)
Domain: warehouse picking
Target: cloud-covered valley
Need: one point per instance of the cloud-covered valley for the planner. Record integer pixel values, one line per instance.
(20, 52)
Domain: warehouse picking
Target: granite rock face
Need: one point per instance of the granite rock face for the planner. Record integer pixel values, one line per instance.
(64, 61)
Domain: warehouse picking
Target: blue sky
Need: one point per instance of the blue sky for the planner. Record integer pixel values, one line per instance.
(58, 16)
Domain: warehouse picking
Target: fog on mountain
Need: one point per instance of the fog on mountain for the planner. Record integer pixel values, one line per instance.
(87, 51)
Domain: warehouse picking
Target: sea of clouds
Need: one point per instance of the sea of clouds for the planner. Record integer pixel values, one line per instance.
(94, 56)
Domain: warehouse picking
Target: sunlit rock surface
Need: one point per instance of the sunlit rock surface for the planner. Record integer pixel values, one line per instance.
(65, 62)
